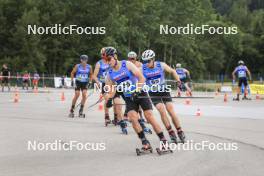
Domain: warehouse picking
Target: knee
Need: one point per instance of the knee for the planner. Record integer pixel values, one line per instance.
(161, 109)
(148, 113)
(77, 94)
(132, 116)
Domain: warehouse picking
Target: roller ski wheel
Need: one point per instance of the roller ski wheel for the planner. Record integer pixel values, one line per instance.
(163, 151)
(144, 150)
(147, 130)
(71, 115)
(246, 98)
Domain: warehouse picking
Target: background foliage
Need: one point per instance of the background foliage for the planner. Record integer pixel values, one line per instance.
(133, 25)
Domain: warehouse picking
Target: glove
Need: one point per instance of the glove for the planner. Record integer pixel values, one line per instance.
(90, 84)
(134, 96)
(109, 103)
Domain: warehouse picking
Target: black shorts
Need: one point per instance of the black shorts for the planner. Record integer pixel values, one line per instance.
(118, 94)
(81, 86)
(160, 97)
(5, 81)
(242, 81)
(144, 103)
(25, 81)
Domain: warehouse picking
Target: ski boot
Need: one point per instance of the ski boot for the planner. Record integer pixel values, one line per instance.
(123, 126)
(143, 126)
(115, 121)
(81, 114)
(146, 148)
(181, 136)
(236, 99)
(107, 120)
(71, 115)
(173, 136)
(163, 149)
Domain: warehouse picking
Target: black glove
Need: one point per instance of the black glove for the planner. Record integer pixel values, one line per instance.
(134, 96)
(109, 103)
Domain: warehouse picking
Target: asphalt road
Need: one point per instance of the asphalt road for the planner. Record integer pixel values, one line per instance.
(43, 118)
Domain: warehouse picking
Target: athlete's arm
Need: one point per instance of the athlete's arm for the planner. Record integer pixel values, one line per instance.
(110, 93)
(234, 74)
(188, 73)
(91, 73)
(96, 71)
(137, 73)
(74, 70)
(170, 70)
(249, 74)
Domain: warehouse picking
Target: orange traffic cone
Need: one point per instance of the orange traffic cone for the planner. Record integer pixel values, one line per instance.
(101, 106)
(62, 96)
(198, 112)
(16, 97)
(257, 96)
(225, 98)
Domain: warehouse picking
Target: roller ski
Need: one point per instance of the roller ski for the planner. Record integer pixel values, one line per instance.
(164, 149)
(236, 99)
(123, 126)
(182, 137)
(146, 148)
(246, 98)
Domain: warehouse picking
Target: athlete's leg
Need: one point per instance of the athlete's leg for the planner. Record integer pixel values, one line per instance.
(118, 108)
(239, 88)
(151, 119)
(74, 100)
(2, 85)
(163, 114)
(189, 90)
(174, 117)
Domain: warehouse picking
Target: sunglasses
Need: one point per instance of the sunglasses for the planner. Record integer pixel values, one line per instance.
(146, 62)
(131, 58)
